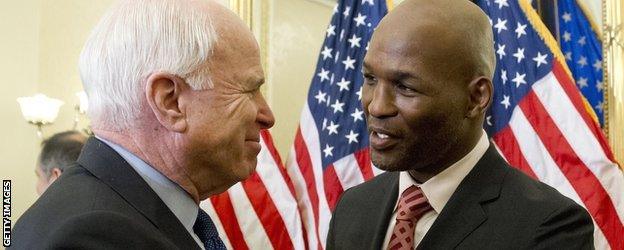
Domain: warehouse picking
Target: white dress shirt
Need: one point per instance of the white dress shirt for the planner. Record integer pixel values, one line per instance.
(177, 200)
(438, 189)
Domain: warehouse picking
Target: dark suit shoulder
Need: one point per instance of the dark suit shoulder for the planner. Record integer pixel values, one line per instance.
(102, 229)
(76, 194)
(532, 193)
(556, 220)
(76, 191)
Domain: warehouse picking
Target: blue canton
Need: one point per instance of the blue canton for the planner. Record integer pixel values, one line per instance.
(583, 53)
(335, 94)
(522, 58)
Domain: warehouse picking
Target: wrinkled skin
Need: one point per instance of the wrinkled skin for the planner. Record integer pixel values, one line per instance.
(204, 140)
(225, 121)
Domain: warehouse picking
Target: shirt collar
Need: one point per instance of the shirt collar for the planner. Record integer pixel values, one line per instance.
(177, 200)
(441, 187)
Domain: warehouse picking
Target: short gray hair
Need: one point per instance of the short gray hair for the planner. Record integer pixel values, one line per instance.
(60, 151)
(135, 39)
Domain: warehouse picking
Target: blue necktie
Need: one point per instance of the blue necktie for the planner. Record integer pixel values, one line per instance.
(206, 231)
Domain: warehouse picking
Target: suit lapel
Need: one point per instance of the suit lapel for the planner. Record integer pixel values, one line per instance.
(387, 194)
(464, 213)
(107, 165)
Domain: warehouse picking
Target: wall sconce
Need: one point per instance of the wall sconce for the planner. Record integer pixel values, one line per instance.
(39, 110)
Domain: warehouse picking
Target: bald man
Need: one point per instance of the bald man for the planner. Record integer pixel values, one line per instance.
(428, 82)
(176, 110)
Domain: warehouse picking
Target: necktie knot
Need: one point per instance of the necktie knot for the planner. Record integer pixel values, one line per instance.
(205, 229)
(412, 205)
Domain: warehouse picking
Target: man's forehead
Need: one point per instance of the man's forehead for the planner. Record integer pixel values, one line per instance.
(390, 54)
(389, 43)
(418, 35)
(391, 69)
(420, 45)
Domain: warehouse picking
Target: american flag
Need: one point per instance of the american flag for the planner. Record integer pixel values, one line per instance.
(330, 152)
(582, 49)
(540, 123)
(260, 212)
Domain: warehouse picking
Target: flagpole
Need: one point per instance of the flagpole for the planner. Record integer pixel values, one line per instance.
(613, 49)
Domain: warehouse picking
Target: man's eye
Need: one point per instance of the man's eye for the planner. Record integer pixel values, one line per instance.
(369, 79)
(404, 88)
(253, 92)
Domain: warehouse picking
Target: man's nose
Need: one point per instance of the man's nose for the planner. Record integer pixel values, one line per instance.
(265, 116)
(382, 103)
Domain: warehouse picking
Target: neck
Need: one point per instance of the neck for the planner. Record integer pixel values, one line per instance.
(455, 153)
(156, 150)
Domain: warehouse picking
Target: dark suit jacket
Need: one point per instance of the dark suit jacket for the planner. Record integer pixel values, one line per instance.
(494, 207)
(101, 203)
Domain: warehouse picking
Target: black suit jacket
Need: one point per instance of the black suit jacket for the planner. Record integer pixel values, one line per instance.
(101, 203)
(494, 207)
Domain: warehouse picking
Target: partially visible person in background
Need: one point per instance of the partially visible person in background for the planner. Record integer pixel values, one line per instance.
(57, 153)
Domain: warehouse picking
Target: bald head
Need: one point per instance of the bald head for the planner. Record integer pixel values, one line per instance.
(428, 84)
(454, 35)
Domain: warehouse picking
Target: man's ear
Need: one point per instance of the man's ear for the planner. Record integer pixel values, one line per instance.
(163, 91)
(54, 174)
(481, 91)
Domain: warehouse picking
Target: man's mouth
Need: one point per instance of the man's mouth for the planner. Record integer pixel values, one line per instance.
(382, 136)
(382, 139)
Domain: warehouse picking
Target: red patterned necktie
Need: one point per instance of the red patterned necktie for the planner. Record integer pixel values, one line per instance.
(412, 205)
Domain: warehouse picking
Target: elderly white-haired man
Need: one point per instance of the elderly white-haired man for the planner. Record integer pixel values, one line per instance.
(176, 110)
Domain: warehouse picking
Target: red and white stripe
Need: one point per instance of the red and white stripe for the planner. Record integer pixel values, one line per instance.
(260, 212)
(552, 137)
(316, 190)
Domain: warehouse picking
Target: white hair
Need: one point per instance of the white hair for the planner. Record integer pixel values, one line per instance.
(135, 39)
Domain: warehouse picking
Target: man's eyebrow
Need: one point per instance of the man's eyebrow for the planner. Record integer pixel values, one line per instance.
(400, 75)
(394, 74)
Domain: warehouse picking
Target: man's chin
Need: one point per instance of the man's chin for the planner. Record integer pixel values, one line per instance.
(247, 170)
(385, 161)
(387, 166)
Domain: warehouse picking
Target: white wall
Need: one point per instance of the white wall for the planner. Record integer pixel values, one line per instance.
(297, 30)
(65, 26)
(19, 61)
